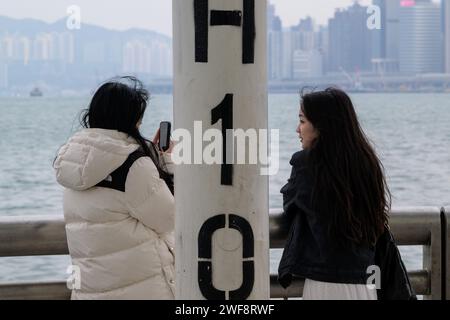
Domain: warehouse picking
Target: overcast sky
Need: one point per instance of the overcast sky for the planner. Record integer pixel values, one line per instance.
(152, 14)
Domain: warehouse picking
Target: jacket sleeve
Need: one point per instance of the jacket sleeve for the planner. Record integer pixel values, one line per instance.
(290, 208)
(297, 192)
(167, 172)
(148, 197)
(168, 164)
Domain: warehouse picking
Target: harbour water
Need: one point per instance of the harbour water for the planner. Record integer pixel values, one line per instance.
(411, 133)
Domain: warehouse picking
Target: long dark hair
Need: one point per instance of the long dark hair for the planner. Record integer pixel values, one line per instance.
(120, 104)
(350, 188)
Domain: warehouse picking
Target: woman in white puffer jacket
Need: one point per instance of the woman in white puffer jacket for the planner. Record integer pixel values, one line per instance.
(119, 213)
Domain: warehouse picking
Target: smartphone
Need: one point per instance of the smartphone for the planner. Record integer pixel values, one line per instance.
(164, 140)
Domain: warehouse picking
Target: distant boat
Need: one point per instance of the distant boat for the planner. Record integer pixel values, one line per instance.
(36, 92)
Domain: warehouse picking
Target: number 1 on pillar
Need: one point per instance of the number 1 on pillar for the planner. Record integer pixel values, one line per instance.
(224, 111)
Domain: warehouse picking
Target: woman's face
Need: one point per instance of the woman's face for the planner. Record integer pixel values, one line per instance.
(306, 131)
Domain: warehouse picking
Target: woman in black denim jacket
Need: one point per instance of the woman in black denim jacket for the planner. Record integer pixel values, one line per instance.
(336, 202)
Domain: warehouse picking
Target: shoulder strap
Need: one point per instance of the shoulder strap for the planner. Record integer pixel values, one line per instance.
(118, 178)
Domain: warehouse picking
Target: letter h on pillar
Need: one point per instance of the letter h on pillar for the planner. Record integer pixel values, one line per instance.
(245, 19)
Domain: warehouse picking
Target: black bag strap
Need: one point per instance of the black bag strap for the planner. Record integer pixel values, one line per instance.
(395, 282)
(118, 178)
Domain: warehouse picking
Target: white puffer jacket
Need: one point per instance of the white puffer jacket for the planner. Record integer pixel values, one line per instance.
(121, 241)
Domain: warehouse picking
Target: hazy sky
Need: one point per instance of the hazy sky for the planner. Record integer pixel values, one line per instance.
(152, 14)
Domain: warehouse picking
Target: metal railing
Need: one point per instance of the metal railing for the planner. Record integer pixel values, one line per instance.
(428, 227)
(446, 250)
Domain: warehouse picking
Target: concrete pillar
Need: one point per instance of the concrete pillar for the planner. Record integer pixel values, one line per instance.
(220, 82)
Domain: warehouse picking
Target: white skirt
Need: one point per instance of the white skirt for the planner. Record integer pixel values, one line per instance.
(315, 290)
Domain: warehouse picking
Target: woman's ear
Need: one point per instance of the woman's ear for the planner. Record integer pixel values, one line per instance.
(316, 133)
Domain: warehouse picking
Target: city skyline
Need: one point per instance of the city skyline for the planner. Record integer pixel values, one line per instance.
(156, 15)
(36, 53)
(410, 42)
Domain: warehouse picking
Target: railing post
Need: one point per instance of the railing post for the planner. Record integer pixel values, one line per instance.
(446, 251)
(433, 255)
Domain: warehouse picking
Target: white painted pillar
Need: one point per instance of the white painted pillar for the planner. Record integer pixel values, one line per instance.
(222, 223)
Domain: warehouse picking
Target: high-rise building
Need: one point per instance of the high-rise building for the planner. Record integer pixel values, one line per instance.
(392, 33)
(44, 47)
(287, 50)
(66, 47)
(379, 36)
(282, 43)
(307, 64)
(304, 35)
(385, 52)
(387, 38)
(270, 15)
(274, 44)
(160, 59)
(15, 48)
(7, 47)
(142, 57)
(322, 44)
(300, 38)
(350, 41)
(136, 57)
(420, 41)
(446, 32)
(275, 54)
(23, 50)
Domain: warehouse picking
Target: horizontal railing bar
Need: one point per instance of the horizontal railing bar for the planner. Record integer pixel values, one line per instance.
(410, 226)
(32, 236)
(37, 236)
(35, 291)
(59, 291)
(45, 235)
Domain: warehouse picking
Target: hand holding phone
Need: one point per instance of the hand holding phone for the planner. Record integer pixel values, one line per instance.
(164, 135)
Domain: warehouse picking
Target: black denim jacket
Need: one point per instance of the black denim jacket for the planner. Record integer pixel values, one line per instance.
(310, 252)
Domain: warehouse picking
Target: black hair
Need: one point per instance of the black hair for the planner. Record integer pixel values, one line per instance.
(120, 104)
(350, 188)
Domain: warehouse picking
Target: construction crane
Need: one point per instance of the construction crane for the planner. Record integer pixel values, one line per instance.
(355, 82)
